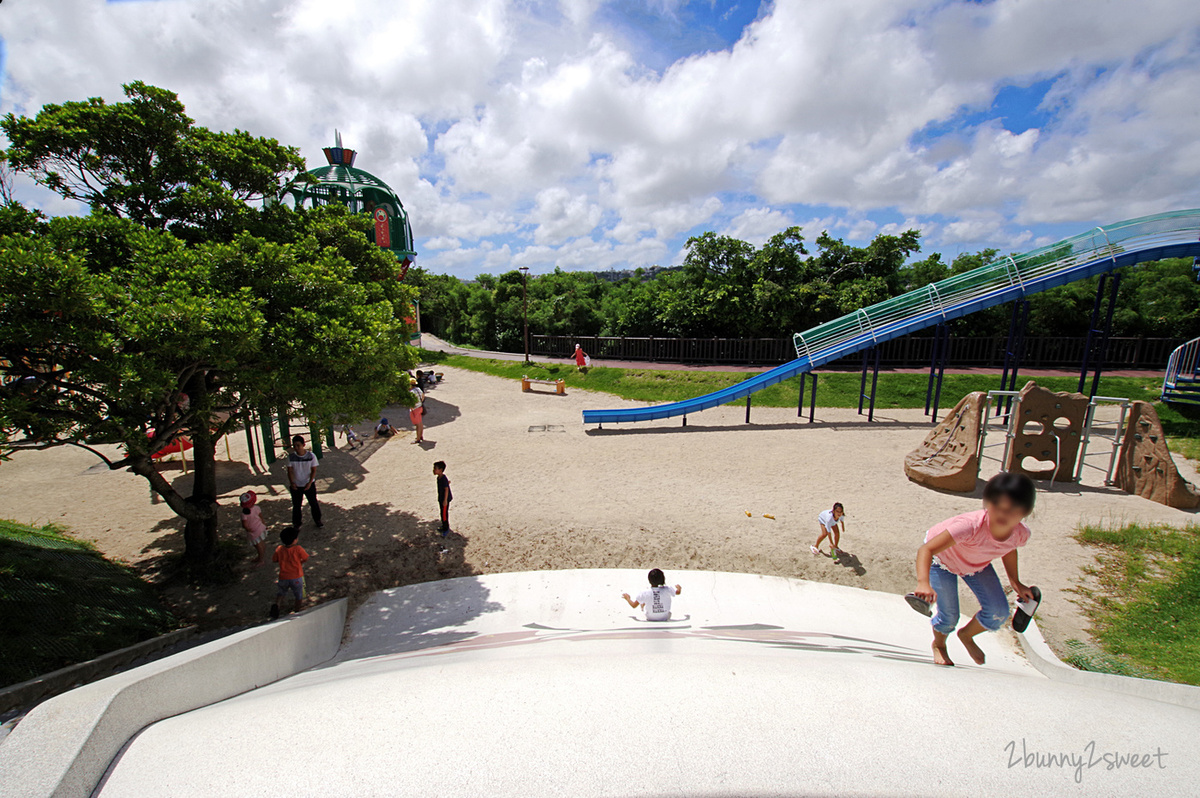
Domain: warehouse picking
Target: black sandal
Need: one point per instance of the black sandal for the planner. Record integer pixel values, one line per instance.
(919, 604)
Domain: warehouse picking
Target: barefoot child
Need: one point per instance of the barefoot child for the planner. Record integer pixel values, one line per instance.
(965, 546)
(656, 600)
(291, 558)
(444, 495)
(253, 524)
(832, 524)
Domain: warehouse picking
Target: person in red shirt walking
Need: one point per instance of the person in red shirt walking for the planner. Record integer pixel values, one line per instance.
(582, 361)
(291, 557)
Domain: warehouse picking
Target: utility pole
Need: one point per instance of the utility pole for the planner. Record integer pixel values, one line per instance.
(525, 306)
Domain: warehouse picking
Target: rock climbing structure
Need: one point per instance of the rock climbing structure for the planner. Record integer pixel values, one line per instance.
(1145, 466)
(948, 459)
(1047, 433)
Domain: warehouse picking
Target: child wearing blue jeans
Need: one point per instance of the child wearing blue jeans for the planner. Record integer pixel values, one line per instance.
(965, 546)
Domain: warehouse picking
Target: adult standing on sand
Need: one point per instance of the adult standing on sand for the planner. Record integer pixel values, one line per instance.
(302, 482)
(582, 361)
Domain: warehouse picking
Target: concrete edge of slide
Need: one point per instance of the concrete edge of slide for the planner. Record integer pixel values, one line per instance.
(63, 747)
(39, 688)
(1047, 662)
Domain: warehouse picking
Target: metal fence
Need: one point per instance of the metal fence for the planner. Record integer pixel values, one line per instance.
(908, 352)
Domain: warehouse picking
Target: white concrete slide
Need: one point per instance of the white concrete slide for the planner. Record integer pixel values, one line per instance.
(63, 747)
(546, 683)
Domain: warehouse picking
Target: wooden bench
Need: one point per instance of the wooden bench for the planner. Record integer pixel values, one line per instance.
(560, 387)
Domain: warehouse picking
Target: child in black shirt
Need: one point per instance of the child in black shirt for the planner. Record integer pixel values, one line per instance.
(444, 495)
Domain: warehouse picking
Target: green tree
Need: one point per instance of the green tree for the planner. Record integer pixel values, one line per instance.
(123, 331)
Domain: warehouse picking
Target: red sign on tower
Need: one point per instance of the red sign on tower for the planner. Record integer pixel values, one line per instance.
(383, 230)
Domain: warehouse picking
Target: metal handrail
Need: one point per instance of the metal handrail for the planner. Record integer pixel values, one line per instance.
(1004, 273)
(1184, 360)
(1165, 235)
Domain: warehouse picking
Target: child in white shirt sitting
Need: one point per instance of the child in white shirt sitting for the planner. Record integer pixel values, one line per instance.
(657, 600)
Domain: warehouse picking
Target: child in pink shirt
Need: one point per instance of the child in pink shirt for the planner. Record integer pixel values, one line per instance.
(253, 525)
(965, 546)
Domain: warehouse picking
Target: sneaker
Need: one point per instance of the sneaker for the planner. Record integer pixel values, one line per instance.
(320, 525)
(814, 550)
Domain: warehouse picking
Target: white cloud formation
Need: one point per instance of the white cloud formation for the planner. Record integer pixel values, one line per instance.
(560, 216)
(504, 121)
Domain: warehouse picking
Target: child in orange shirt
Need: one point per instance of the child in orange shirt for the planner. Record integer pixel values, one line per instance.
(291, 557)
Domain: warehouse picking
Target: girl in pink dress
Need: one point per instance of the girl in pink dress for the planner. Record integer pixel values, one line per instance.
(253, 525)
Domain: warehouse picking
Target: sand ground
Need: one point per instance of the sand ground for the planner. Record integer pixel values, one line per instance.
(534, 489)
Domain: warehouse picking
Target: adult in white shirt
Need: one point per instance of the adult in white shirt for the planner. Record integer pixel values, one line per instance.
(657, 600)
(302, 481)
(832, 523)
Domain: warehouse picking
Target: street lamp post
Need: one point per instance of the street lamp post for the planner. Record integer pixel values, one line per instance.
(525, 306)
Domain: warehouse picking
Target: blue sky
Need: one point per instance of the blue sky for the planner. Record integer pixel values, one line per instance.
(603, 133)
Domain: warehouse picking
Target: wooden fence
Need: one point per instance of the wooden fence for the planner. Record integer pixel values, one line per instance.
(908, 352)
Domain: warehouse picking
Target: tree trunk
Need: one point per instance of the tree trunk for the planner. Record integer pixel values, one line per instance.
(200, 533)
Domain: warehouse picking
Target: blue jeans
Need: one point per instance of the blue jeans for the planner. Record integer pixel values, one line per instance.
(993, 604)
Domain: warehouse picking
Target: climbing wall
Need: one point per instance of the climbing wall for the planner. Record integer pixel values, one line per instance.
(948, 459)
(1048, 433)
(1144, 465)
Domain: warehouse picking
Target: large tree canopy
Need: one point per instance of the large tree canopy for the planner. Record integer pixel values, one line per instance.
(146, 161)
(137, 324)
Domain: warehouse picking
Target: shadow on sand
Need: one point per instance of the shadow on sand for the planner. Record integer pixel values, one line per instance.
(360, 550)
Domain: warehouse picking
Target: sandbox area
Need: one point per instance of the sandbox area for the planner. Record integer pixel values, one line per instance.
(536, 490)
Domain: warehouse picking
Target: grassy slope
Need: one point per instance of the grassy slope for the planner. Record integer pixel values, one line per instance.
(1148, 608)
(62, 603)
(834, 389)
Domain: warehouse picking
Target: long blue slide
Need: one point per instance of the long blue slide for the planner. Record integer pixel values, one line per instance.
(1101, 250)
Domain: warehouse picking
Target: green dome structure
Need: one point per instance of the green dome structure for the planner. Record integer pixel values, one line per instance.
(361, 192)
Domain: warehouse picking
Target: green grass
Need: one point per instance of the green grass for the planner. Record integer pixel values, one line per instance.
(1146, 611)
(835, 389)
(62, 603)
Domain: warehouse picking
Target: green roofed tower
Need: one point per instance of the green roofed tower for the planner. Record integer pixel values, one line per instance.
(360, 191)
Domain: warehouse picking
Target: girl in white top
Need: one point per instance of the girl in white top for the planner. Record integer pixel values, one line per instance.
(832, 523)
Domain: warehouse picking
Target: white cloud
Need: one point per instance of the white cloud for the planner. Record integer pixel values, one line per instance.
(505, 119)
(756, 225)
(561, 215)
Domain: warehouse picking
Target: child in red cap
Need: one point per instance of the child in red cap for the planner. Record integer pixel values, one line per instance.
(253, 524)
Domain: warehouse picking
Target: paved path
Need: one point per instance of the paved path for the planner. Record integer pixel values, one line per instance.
(436, 344)
(546, 683)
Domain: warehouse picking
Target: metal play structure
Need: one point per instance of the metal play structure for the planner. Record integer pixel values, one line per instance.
(360, 191)
(1181, 383)
(1098, 252)
(1109, 433)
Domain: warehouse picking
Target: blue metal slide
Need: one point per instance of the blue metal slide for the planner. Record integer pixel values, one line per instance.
(1104, 249)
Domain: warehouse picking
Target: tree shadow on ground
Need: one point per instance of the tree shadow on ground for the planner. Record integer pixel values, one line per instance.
(437, 414)
(340, 469)
(359, 551)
